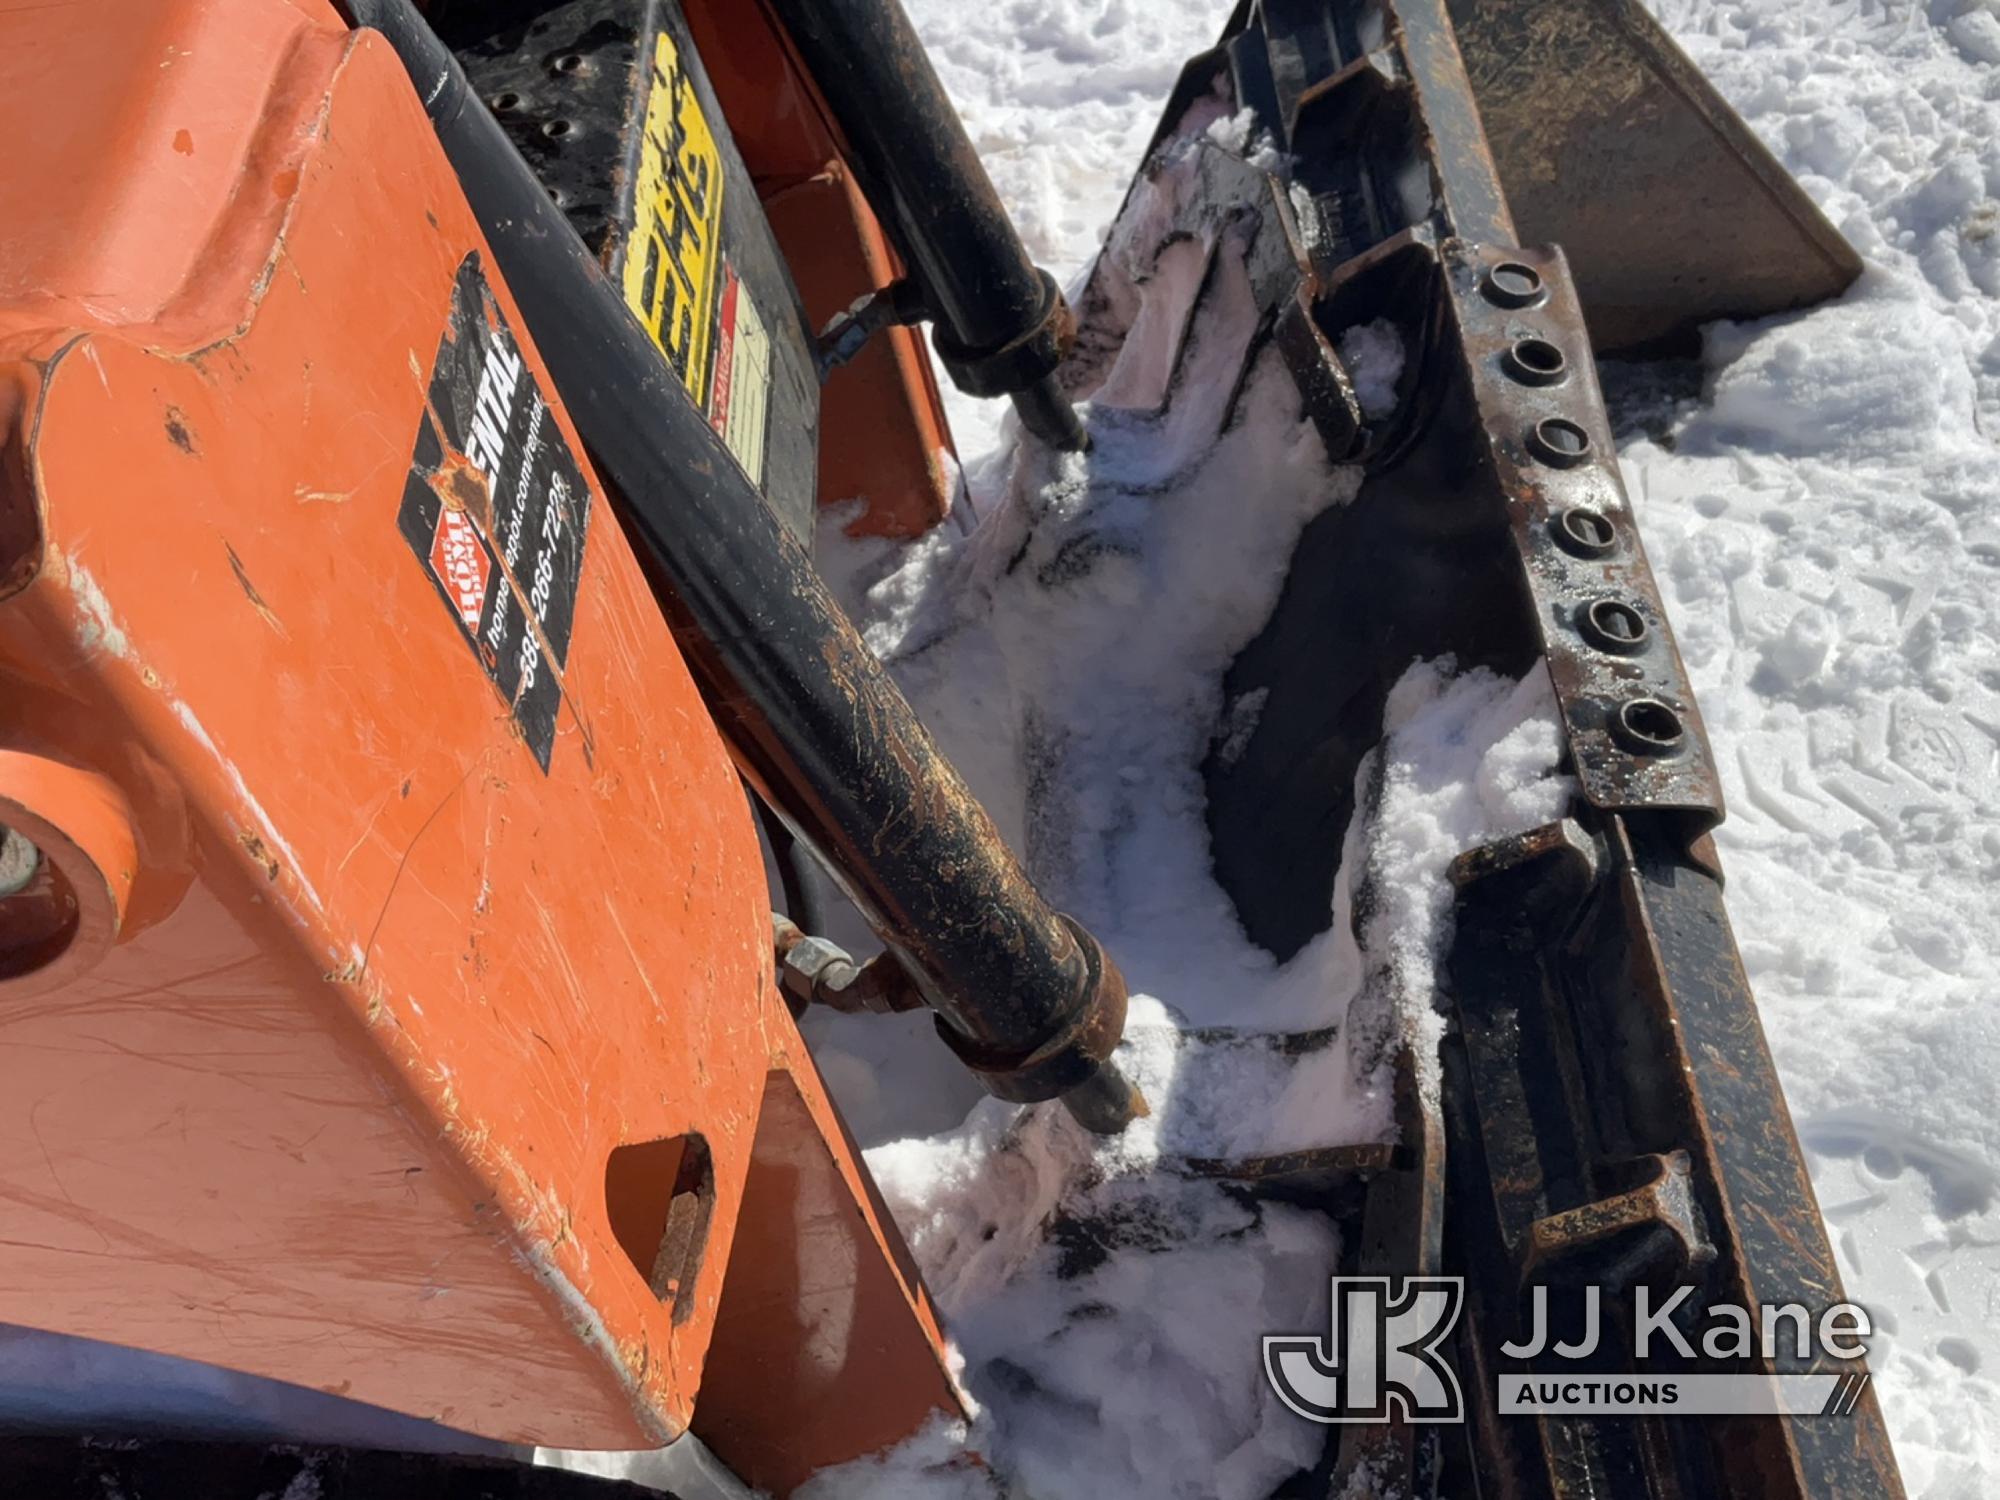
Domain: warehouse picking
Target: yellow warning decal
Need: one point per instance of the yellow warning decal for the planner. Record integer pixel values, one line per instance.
(673, 266)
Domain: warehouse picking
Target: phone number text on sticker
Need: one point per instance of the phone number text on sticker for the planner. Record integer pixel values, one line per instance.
(495, 508)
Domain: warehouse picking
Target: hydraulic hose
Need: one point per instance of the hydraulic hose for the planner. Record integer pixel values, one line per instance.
(1003, 325)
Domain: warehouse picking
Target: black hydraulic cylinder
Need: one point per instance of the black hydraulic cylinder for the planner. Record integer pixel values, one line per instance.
(1024, 995)
(1003, 325)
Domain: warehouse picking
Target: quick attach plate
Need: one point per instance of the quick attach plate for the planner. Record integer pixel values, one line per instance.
(1635, 734)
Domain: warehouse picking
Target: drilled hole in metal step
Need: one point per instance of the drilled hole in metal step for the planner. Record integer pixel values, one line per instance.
(1535, 362)
(1586, 532)
(1559, 442)
(1613, 625)
(1511, 284)
(1649, 727)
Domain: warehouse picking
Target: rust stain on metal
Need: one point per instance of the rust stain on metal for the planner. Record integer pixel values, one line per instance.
(1662, 1203)
(458, 482)
(178, 431)
(253, 845)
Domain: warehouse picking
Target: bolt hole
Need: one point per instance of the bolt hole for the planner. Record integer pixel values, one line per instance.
(1511, 284)
(1649, 726)
(1614, 625)
(504, 102)
(1536, 362)
(39, 912)
(557, 196)
(19, 860)
(555, 130)
(569, 62)
(1560, 442)
(1539, 354)
(1585, 531)
(657, 1195)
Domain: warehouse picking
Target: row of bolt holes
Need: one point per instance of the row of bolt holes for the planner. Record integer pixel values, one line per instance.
(562, 65)
(1645, 725)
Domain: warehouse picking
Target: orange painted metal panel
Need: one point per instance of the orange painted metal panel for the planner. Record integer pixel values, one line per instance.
(331, 1095)
(884, 439)
(882, 435)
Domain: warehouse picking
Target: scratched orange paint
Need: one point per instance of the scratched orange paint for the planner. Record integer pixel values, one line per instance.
(328, 1090)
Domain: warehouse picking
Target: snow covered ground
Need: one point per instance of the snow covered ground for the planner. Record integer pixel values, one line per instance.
(1826, 527)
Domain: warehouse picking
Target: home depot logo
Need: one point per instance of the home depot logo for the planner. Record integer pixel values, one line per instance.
(459, 560)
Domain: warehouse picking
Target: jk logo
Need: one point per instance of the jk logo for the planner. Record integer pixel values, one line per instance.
(1379, 1358)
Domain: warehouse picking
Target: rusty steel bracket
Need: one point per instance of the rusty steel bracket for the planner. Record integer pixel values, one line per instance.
(1609, 1115)
(1611, 143)
(1658, 1218)
(1491, 490)
(1615, 1123)
(1635, 735)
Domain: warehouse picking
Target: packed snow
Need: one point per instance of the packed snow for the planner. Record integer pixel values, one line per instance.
(1821, 503)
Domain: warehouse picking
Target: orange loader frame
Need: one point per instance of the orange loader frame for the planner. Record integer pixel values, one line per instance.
(339, 1043)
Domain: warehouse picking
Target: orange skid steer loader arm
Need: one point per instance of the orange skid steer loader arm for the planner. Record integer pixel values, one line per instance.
(362, 1026)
